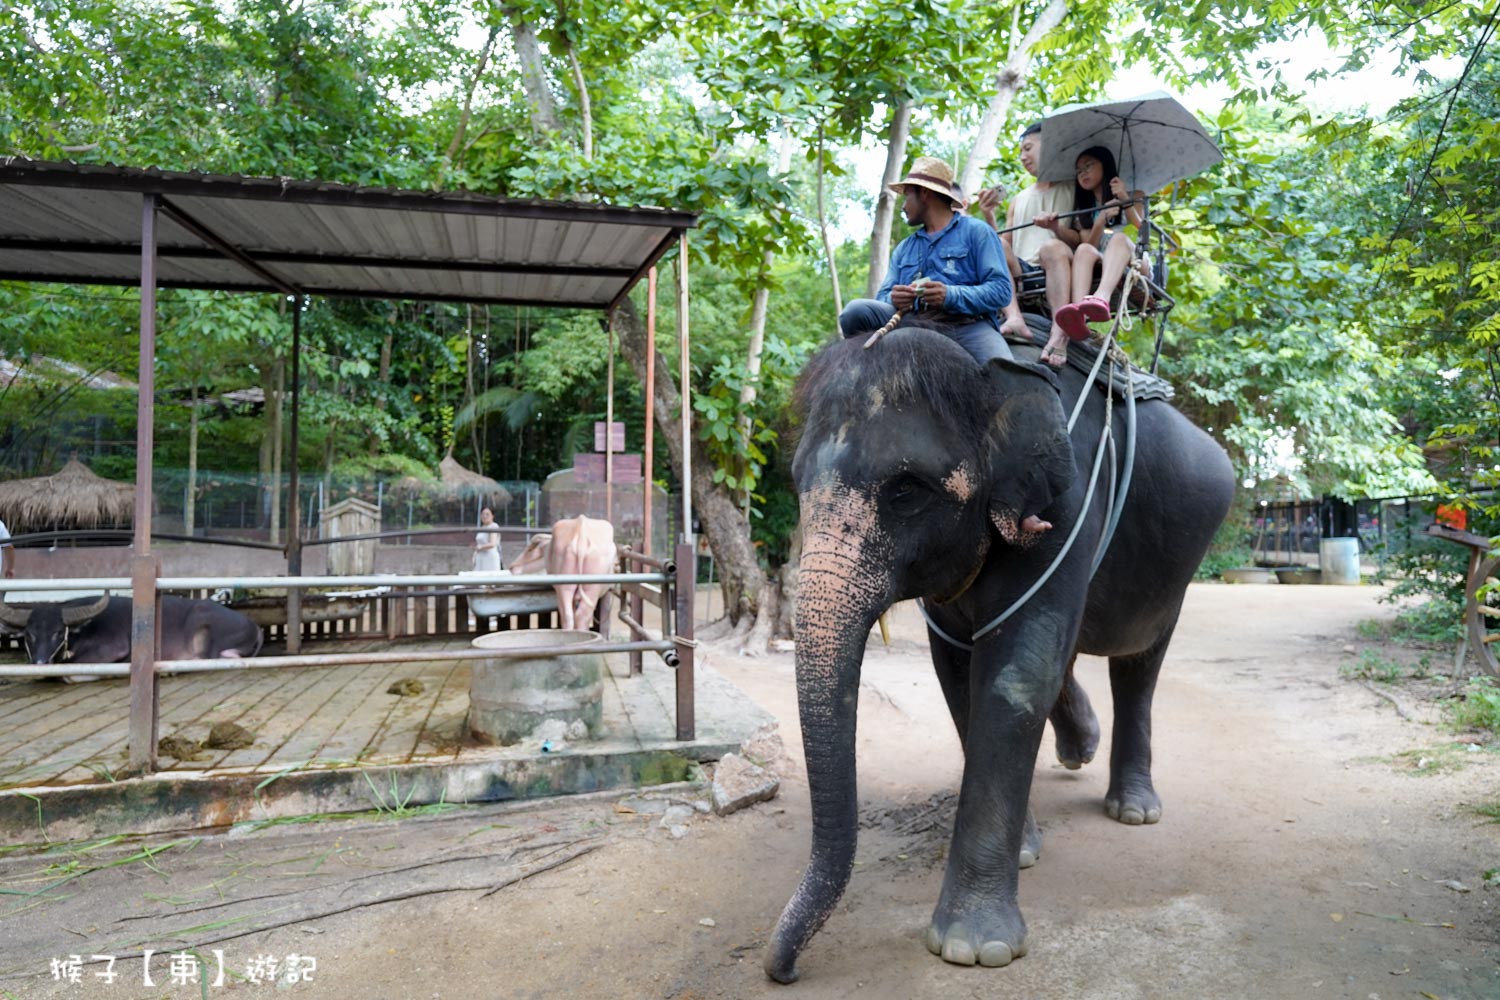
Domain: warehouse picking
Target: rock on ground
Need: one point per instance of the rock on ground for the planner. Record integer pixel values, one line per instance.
(739, 783)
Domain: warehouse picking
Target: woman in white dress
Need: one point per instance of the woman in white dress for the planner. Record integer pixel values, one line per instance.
(487, 543)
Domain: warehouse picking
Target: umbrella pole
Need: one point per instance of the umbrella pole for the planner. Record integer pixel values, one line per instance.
(145, 633)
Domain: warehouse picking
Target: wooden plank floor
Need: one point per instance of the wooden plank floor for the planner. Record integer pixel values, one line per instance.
(69, 733)
(58, 734)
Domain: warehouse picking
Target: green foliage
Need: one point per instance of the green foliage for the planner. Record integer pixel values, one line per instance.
(1229, 548)
(735, 434)
(1371, 664)
(1264, 335)
(388, 466)
(1480, 707)
(1429, 577)
(1338, 299)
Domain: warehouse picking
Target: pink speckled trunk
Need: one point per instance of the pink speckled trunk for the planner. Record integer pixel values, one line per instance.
(843, 588)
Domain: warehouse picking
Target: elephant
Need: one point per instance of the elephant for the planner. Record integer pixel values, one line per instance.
(921, 474)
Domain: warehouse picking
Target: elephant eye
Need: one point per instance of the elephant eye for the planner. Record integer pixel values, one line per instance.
(907, 495)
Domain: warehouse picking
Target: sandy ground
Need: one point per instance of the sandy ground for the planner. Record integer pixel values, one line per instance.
(1301, 854)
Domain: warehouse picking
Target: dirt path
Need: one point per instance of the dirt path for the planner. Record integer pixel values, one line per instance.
(1298, 856)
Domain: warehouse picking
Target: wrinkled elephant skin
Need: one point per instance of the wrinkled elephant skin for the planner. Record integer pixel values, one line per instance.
(917, 472)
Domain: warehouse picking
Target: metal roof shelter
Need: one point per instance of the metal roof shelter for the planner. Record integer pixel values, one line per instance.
(79, 223)
(115, 225)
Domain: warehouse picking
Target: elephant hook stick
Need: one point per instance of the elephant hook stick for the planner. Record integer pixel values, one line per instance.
(890, 325)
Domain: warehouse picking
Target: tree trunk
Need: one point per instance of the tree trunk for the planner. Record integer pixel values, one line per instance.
(373, 444)
(585, 107)
(885, 201)
(455, 148)
(192, 482)
(1007, 83)
(758, 313)
(833, 267)
(786, 613)
(471, 357)
(330, 450)
(275, 390)
(724, 525)
(533, 73)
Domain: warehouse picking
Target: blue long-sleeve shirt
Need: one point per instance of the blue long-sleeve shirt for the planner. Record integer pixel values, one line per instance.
(966, 256)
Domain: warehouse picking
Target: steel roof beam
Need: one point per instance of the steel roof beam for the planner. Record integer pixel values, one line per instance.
(331, 260)
(228, 249)
(349, 293)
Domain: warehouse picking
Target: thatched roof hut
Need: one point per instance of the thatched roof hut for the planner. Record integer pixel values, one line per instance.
(462, 482)
(72, 497)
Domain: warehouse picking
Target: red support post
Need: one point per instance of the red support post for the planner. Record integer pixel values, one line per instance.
(686, 586)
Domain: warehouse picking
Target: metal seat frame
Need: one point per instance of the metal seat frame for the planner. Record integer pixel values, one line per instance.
(1153, 245)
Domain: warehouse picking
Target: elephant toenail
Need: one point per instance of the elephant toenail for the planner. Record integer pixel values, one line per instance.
(1028, 858)
(996, 954)
(1132, 817)
(958, 950)
(933, 940)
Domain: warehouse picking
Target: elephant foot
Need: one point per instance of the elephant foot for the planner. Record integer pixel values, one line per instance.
(1031, 843)
(1075, 727)
(1077, 748)
(992, 935)
(1135, 806)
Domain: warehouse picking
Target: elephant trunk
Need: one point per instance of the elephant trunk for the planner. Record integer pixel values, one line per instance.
(843, 587)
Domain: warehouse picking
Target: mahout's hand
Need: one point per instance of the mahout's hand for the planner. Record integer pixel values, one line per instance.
(934, 294)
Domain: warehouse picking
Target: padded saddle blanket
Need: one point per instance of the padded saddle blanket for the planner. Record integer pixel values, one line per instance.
(1082, 355)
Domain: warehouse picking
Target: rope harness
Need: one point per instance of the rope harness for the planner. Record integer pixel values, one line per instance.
(1117, 357)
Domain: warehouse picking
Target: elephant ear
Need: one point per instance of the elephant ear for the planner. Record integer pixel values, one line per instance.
(1030, 455)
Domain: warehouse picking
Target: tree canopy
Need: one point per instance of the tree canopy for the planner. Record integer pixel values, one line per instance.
(1339, 284)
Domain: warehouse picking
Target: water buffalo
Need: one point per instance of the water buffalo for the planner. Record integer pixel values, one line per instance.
(97, 630)
(576, 545)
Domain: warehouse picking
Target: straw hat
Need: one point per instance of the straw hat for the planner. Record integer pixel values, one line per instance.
(933, 174)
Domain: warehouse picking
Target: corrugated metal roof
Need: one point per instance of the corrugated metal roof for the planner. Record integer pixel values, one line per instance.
(82, 223)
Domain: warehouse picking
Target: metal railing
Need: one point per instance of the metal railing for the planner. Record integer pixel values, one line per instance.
(661, 584)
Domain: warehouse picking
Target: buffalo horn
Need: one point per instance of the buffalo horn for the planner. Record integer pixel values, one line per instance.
(76, 616)
(13, 616)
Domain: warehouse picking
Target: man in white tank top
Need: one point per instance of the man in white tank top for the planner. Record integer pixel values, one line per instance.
(1045, 245)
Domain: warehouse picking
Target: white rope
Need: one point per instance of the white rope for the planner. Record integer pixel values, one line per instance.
(1117, 356)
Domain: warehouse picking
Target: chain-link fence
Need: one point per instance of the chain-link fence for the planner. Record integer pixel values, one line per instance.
(241, 505)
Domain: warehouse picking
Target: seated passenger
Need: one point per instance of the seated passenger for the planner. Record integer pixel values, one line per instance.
(1045, 245)
(1101, 240)
(951, 269)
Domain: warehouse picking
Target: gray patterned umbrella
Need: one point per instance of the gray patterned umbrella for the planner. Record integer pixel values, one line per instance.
(1155, 141)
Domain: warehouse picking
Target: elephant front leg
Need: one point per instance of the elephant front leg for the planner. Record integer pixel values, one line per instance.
(952, 667)
(977, 920)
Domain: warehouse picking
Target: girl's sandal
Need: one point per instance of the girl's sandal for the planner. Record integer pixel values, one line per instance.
(1070, 320)
(1095, 309)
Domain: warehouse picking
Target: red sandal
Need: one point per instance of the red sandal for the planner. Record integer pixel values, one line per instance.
(1095, 309)
(1070, 320)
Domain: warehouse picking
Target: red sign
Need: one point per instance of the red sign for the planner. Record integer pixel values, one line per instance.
(590, 468)
(616, 437)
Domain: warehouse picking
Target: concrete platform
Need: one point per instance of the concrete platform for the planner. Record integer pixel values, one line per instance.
(327, 740)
